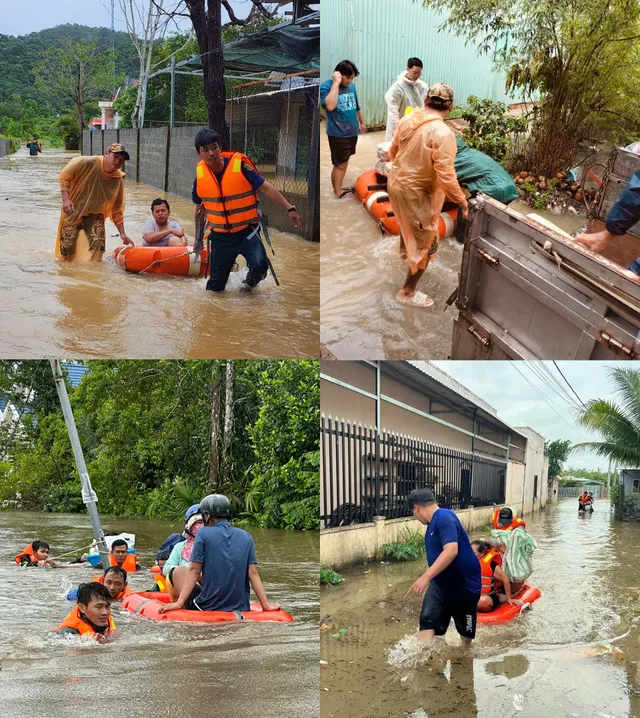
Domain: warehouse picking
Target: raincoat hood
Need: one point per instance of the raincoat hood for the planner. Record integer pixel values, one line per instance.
(409, 124)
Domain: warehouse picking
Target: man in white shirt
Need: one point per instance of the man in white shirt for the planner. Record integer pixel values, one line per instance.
(407, 91)
(159, 231)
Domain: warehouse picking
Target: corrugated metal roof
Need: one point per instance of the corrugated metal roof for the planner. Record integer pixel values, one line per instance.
(75, 372)
(380, 36)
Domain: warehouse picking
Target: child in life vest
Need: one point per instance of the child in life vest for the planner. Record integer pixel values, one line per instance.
(494, 579)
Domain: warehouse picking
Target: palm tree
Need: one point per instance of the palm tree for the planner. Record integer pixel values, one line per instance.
(618, 422)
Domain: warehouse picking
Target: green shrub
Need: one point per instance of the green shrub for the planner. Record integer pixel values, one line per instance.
(65, 499)
(489, 127)
(329, 577)
(410, 548)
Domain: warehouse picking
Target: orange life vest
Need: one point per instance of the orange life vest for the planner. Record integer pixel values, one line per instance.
(488, 580)
(74, 620)
(515, 522)
(230, 205)
(122, 594)
(584, 498)
(27, 551)
(129, 564)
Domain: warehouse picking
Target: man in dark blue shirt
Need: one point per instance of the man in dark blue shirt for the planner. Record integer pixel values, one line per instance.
(622, 216)
(226, 244)
(344, 120)
(225, 558)
(453, 580)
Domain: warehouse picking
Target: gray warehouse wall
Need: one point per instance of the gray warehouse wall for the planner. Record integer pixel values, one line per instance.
(129, 138)
(153, 156)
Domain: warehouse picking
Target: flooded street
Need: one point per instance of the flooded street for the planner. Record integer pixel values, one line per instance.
(362, 272)
(154, 669)
(99, 311)
(544, 664)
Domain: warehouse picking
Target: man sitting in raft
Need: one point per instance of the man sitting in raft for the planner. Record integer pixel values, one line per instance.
(92, 614)
(226, 194)
(92, 190)
(159, 230)
(505, 519)
(494, 579)
(225, 558)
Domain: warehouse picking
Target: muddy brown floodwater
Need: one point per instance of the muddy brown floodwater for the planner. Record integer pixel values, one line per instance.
(48, 308)
(361, 273)
(160, 670)
(575, 653)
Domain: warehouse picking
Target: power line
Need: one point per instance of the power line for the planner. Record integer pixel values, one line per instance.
(543, 373)
(544, 398)
(569, 385)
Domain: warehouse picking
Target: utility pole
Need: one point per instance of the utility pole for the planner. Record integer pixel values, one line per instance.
(88, 495)
(609, 478)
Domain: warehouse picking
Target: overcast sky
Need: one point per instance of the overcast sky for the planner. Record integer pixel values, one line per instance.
(18, 19)
(518, 403)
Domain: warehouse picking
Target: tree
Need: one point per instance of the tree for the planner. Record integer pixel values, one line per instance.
(144, 21)
(557, 451)
(206, 18)
(75, 74)
(617, 422)
(228, 420)
(69, 131)
(577, 61)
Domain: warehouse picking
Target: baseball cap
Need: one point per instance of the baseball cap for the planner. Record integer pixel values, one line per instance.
(442, 91)
(119, 149)
(506, 514)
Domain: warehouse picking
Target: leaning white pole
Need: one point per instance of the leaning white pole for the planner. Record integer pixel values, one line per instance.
(88, 495)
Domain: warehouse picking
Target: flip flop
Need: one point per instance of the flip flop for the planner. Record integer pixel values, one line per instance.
(419, 299)
(348, 190)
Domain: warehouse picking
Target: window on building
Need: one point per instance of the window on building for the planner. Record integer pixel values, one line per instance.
(636, 487)
(535, 487)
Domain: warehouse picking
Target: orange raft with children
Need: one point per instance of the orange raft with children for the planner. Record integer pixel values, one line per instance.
(371, 190)
(147, 603)
(177, 261)
(507, 612)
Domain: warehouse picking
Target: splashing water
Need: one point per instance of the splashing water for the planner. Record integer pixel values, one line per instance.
(409, 652)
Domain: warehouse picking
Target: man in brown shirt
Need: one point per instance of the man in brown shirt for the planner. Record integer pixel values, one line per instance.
(92, 190)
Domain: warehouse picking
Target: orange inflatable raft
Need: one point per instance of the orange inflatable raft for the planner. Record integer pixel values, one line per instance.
(506, 612)
(178, 261)
(371, 190)
(147, 603)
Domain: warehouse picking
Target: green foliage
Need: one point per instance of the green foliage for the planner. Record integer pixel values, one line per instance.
(489, 126)
(329, 577)
(617, 421)
(64, 499)
(578, 61)
(410, 548)
(614, 493)
(557, 451)
(588, 474)
(69, 131)
(145, 428)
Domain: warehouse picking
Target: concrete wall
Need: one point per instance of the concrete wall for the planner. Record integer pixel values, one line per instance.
(129, 138)
(153, 156)
(628, 477)
(554, 493)
(350, 545)
(86, 142)
(536, 469)
(167, 160)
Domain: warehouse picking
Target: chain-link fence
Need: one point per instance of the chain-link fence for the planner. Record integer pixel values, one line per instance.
(274, 127)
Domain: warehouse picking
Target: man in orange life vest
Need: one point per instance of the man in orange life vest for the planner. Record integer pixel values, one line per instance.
(505, 520)
(92, 615)
(120, 556)
(226, 194)
(115, 581)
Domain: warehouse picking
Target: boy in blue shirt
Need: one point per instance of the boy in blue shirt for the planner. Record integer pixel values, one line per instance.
(453, 579)
(344, 120)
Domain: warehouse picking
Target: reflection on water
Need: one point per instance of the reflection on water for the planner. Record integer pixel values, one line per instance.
(49, 307)
(576, 653)
(153, 669)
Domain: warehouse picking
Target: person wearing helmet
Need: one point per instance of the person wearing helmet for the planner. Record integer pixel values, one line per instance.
(423, 152)
(173, 539)
(224, 559)
(181, 552)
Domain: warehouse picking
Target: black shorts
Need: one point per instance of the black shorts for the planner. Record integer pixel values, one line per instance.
(438, 609)
(496, 600)
(341, 149)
